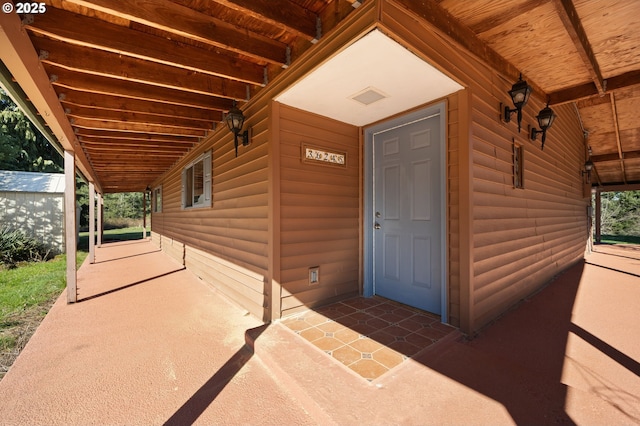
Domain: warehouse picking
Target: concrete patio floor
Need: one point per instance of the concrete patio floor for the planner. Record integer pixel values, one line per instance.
(149, 343)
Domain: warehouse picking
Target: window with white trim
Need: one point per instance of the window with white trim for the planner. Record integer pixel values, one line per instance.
(157, 199)
(196, 183)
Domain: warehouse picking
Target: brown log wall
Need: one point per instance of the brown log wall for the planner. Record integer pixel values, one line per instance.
(320, 211)
(517, 239)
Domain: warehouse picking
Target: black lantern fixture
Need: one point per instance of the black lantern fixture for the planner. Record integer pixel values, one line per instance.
(519, 93)
(545, 119)
(588, 166)
(235, 121)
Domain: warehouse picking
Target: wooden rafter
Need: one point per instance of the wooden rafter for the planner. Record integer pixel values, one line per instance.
(115, 137)
(135, 117)
(282, 14)
(89, 123)
(183, 21)
(588, 90)
(614, 110)
(74, 29)
(109, 64)
(571, 21)
(70, 80)
(118, 103)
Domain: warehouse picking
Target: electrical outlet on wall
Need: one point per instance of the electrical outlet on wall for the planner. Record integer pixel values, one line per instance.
(314, 275)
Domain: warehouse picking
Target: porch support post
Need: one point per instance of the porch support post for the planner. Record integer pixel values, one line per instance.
(273, 286)
(70, 224)
(144, 215)
(92, 223)
(598, 216)
(100, 204)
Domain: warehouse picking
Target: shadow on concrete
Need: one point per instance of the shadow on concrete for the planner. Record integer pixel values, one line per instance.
(130, 256)
(124, 287)
(198, 403)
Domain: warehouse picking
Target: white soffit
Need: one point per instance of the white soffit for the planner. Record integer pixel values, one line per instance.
(372, 79)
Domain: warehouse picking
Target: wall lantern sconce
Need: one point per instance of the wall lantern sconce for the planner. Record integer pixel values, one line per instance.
(519, 93)
(545, 120)
(588, 166)
(235, 121)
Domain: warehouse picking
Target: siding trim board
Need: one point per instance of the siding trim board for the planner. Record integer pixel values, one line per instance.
(273, 216)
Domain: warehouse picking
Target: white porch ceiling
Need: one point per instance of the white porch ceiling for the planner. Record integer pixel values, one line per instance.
(372, 79)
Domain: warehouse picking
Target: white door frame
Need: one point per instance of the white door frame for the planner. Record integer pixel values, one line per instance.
(369, 132)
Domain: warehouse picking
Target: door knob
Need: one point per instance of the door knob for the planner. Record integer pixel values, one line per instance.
(376, 226)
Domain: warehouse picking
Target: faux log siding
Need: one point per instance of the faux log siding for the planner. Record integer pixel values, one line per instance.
(319, 209)
(521, 238)
(234, 229)
(240, 284)
(156, 239)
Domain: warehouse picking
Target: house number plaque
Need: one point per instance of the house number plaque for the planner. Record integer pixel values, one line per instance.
(321, 155)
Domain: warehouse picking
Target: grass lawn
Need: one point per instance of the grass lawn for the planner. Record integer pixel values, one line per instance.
(620, 239)
(28, 292)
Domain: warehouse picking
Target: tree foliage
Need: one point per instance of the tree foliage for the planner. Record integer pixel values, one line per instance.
(621, 213)
(22, 147)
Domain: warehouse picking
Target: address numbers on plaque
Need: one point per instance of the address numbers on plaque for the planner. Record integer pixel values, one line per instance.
(321, 155)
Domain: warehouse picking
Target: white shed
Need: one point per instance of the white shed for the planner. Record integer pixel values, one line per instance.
(34, 203)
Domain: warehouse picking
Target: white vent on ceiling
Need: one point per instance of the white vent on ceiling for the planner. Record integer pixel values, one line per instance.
(368, 96)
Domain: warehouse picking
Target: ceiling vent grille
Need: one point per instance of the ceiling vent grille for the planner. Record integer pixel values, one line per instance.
(369, 96)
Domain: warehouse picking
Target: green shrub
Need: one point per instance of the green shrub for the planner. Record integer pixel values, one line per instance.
(16, 246)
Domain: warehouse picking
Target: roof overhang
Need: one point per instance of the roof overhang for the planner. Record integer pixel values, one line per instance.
(372, 78)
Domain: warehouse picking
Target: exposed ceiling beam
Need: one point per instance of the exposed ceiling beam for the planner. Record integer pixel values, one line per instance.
(571, 21)
(99, 62)
(186, 22)
(117, 103)
(21, 60)
(107, 145)
(70, 80)
(64, 26)
(589, 90)
(614, 110)
(116, 136)
(618, 187)
(135, 117)
(88, 123)
(615, 156)
(283, 14)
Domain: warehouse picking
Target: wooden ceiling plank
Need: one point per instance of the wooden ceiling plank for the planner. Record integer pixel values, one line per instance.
(91, 146)
(505, 15)
(84, 31)
(117, 103)
(88, 123)
(186, 22)
(282, 14)
(108, 64)
(446, 25)
(571, 21)
(135, 117)
(124, 135)
(107, 86)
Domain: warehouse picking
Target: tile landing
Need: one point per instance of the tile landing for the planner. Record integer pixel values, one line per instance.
(369, 335)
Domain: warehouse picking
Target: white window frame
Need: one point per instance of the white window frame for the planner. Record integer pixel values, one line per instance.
(204, 199)
(156, 199)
